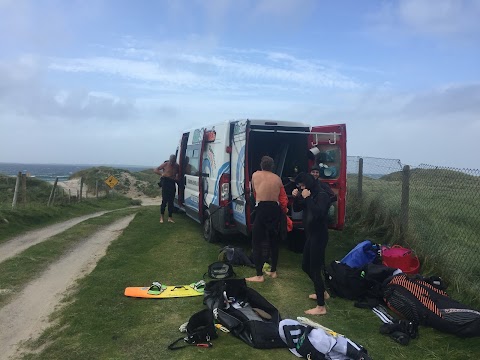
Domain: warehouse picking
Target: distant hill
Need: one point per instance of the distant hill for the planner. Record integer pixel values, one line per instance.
(131, 184)
(438, 175)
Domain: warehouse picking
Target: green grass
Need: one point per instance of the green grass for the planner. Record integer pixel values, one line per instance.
(18, 270)
(36, 216)
(98, 322)
(444, 221)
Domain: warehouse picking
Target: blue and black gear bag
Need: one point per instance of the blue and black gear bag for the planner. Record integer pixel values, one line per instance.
(364, 253)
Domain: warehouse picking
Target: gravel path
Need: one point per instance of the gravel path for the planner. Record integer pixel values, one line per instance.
(26, 316)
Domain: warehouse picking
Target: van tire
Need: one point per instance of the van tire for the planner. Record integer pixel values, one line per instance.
(209, 232)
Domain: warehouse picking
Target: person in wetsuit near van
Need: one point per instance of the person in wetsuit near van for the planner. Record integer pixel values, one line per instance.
(315, 204)
(169, 171)
(265, 231)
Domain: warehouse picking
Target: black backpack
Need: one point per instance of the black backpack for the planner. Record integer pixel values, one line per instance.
(419, 300)
(357, 283)
(200, 331)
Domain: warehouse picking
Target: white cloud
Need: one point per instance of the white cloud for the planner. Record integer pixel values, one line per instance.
(443, 19)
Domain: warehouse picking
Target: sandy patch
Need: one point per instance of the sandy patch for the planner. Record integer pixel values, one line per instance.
(27, 314)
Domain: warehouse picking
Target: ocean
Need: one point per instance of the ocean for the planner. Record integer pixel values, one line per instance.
(48, 172)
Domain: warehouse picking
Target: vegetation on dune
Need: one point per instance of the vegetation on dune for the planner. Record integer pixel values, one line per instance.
(443, 221)
(144, 181)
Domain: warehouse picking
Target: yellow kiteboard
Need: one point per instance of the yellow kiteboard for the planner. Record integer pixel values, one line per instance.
(159, 291)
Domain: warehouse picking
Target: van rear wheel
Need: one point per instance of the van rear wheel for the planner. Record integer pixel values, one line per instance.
(209, 232)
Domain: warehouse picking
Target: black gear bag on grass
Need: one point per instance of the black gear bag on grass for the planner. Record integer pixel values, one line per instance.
(418, 300)
(243, 311)
(200, 330)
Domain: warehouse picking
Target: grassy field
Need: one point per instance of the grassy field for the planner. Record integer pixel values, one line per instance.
(14, 222)
(444, 221)
(98, 322)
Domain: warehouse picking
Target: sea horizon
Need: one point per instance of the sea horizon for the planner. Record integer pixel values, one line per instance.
(49, 172)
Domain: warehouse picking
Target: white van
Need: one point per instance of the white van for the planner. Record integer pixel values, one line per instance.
(217, 163)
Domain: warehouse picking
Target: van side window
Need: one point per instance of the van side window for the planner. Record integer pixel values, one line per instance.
(192, 160)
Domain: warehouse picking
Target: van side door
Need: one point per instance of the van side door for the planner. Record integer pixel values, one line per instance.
(329, 146)
(191, 167)
(240, 184)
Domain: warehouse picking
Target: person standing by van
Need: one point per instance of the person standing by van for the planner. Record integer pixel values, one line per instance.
(265, 231)
(315, 204)
(169, 171)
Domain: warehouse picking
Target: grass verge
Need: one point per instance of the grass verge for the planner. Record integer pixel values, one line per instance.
(18, 270)
(35, 216)
(98, 322)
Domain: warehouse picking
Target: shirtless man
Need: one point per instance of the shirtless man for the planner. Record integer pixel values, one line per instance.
(265, 231)
(169, 171)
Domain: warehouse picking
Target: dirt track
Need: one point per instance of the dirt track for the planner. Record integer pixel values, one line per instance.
(26, 316)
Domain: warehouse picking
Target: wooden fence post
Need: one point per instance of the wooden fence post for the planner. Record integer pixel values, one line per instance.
(50, 199)
(405, 200)
(81, 189)
(15, 194)
(360, 177)
(69, 195)
(24, 189)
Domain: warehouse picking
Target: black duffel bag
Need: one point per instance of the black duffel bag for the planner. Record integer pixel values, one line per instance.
(243, 311)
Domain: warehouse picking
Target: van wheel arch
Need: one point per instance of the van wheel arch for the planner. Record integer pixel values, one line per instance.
(209, 232)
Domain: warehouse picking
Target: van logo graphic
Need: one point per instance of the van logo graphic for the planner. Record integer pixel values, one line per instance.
(197, 137)
(211, 157)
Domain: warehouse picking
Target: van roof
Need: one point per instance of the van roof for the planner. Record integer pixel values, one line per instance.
(264, 122)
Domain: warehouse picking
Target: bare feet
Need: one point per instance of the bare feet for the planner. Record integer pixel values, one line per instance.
(318, 310)
(326, 296)
(170, 220)
(273, 274)
(255, 279)
(161, 219)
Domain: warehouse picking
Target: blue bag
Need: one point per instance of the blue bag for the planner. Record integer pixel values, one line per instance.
(364, 253)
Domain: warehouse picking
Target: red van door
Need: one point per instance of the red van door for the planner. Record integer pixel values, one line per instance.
(328, 144)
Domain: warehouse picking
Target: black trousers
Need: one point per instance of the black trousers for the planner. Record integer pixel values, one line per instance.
(168, 195)
(265, 234)
(313, 262)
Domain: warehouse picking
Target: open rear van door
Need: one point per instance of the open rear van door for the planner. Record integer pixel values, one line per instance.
(240, 185)
(191, 164)
(329, 145)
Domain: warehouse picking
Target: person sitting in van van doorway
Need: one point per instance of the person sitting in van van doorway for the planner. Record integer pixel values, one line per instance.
(169, 171)
(315, 203)
(265, 231)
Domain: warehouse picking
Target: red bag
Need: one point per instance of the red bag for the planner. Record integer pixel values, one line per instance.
(400, 258)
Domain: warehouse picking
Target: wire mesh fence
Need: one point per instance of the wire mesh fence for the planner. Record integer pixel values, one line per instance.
(434, 210)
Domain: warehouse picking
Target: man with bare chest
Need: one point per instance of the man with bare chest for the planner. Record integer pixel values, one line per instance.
(169, 171)
(265, 231)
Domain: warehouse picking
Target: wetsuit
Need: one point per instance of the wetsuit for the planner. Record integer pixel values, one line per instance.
(265, 236)
(315, 221)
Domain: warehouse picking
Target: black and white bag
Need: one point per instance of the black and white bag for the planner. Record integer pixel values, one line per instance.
(243, 311)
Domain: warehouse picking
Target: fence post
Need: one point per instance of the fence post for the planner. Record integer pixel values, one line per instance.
(405, 199)
(96, 188)
(15, 194)
(81, 189)
(360, 177)
(50, 199)
(24, 189)
(69, 195)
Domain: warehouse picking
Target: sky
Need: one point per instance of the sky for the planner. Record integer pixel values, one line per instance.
(117, 82)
